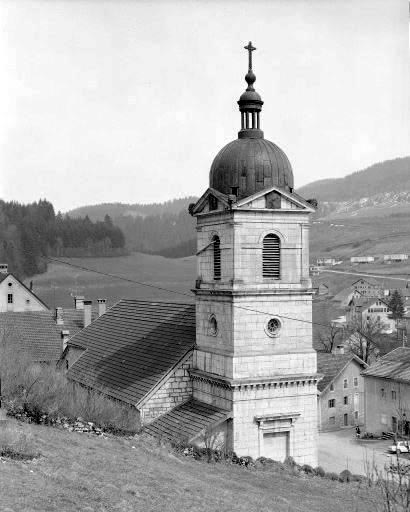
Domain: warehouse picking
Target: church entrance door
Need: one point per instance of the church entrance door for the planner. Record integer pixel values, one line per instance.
(276, 445)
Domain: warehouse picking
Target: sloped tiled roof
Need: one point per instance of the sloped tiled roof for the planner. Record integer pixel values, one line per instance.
(394, 365)
(74, 319)
(133, 346)
(369, 280)
(33, 332)
(186, 421)
(330, 365)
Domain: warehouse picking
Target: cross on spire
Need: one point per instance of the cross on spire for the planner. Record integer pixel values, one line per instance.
(250, 49)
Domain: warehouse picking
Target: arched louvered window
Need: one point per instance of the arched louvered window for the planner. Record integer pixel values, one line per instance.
(271, 257)
(217, 258)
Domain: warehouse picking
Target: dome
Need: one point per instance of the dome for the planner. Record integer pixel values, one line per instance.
(248, 165)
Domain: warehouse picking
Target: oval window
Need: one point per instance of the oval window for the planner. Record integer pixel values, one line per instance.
(273, 327)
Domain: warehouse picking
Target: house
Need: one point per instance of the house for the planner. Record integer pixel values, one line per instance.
(367, 287)
(341, 391)
(326, 262)
(240, 362)
(395, 258)
(370, 310)
(387, 393)
(323, 289)
(15, 296)
(314, 270)
(362, 259)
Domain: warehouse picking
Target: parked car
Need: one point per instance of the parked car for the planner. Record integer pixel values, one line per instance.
(400, 447)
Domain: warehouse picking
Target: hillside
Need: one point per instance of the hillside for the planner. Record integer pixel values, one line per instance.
(387, 176)
(347, 210)
(115, 210)
(81, 472)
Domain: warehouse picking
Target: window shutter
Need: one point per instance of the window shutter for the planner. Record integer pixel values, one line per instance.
(271, 257)
(217, 258)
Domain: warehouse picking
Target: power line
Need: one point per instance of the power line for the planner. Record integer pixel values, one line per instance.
(115, 276)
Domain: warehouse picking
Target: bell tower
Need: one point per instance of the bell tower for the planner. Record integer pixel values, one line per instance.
(254, 354)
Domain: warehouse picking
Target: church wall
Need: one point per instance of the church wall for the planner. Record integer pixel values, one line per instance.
(176, 390)
(251, 403)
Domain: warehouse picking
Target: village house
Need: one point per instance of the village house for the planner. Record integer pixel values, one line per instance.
(326, 262)
(341, 391)
(362, 259)
(387, 393)
(15, 296)
(395, 258)
(370, 310)
(367, 287)
(238, 362)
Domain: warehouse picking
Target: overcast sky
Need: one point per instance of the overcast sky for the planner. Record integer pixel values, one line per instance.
(115, 100)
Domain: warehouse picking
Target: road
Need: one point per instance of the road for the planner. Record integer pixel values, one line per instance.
(340, 450)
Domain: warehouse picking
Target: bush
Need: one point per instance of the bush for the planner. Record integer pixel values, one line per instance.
(358, 478)
(308, 469)
(332, 476)
(319, 471)
(345, 476)
(290, 462)
(44, 394)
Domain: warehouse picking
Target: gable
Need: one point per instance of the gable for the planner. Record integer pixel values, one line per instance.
(22, 299)
(274, 198)
(211, 201)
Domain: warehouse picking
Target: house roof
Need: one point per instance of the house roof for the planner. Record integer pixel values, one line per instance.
(331, 365)
(395, 365)
(74, 320)
(33, 332)
(369, 280)
(133, 346)
(3, 277)
(186, 421)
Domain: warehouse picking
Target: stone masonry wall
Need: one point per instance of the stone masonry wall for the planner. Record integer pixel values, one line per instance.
(176, 390)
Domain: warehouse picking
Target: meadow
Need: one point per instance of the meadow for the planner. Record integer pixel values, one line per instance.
(62, 282)
(88, 473)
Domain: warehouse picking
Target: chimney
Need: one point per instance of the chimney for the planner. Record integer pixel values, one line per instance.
(65, 335)
(87, 306)
(4, 268)
(102, 306)
(59, 316)
(31, 286)
(79, 302)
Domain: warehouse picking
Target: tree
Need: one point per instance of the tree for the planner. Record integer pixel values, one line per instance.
(363, 338)
(330, 336)
(396, 306)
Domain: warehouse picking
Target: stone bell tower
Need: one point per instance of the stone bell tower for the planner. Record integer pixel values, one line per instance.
(254, 354)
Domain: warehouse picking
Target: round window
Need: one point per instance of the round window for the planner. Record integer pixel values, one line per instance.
(213, 325)
(273, 327)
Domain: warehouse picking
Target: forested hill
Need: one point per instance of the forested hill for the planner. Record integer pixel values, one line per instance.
(29, 233)
(159, 228)
(115, 210)
(387, 176)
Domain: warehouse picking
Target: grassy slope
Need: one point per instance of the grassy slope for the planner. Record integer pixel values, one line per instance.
(78, 472)
(56, 285)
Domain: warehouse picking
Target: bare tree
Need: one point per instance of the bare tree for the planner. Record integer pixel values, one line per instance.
(330, 336)
(362, 338)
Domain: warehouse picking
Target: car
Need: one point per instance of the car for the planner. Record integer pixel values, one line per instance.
(400, 447)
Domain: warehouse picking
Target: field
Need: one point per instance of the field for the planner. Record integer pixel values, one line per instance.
(80, 472)
(61, 282)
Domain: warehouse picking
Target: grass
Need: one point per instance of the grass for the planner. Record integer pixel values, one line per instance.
(82, 472)
(57, 285)
(15, 443)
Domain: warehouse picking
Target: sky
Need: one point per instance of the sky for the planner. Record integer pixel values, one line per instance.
(130, 101)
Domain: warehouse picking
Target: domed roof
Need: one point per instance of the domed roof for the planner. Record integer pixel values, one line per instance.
(248, 165)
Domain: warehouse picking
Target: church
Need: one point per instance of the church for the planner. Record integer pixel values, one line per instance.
(239, 362)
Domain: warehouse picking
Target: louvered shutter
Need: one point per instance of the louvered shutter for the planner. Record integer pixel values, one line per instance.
(217, 258)
(271, 257)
